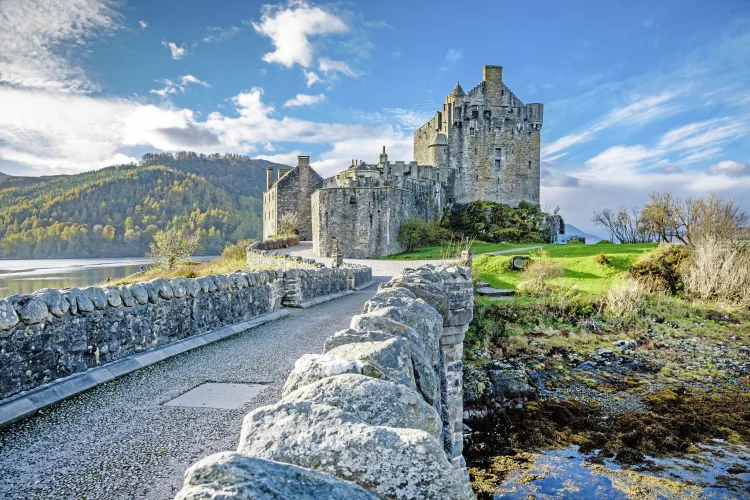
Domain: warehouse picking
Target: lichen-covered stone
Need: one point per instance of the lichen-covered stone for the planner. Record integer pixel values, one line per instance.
(56, 302)
(193, 287)
(312, 367)
(350, 336)
(390, 357)
(8, 316)
(388, 461)
(95, 296)
(30, 309)
(139, 293)
(127, 298)
(163, 288)
(179, 287)
(79, 301)
(372, 401)
(425, 284)
(114, 299)
(235, 476)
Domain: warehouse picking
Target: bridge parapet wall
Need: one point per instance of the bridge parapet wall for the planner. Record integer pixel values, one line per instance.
(377, 415)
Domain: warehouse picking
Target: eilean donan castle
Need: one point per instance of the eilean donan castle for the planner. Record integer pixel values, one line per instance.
(481, 145)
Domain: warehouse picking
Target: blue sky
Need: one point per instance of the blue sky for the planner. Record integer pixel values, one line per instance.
(638, 95)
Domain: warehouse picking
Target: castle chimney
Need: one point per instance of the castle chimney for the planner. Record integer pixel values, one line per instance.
(303, 161)
(269, 177)
(492, 81)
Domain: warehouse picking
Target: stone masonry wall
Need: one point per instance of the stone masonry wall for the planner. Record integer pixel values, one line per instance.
(378, 415)
(56, 333)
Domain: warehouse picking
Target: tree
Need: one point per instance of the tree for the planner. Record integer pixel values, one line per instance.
(624, 225)
(660, 216)
(173, 246)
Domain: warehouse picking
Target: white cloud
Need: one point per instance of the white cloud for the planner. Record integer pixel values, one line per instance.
(451, 58)
(178, 52)
(640, 111)
(188, 79)
(312, 78)
(290, 28)
(304, 100)
(35, 34)
(143, 24)
(217, 34)
(118, 159)
(409, 118)
(729, 168)
(330, 67)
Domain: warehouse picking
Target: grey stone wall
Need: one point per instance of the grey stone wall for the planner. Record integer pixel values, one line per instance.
(291, 194)
(364, 221)
(377, 414)
(275, 243)
(53, 334)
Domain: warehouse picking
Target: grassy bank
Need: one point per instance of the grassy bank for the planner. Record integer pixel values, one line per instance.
(439, 251)
(580, 270)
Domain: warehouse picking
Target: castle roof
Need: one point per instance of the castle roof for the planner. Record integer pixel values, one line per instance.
(458, 91)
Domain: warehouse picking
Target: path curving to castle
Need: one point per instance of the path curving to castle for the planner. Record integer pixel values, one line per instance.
(118, 440)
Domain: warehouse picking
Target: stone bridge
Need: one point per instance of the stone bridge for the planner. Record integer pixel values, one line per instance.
(381, 408)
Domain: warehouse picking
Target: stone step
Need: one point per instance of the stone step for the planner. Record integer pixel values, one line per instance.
(482, 284)
(495, 292)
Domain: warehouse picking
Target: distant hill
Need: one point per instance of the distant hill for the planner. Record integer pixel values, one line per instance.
(590, 238)
(114, 211)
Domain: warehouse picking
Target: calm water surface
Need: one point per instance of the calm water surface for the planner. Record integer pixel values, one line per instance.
(27, 276)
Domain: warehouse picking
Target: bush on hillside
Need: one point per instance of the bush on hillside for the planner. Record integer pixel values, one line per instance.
(718, 271)
(415, 233)
(538, 274)
(625, 300)
(659, 269)
(173, 246)
(236, 251)
(576, 242)
(496, 222)
(603, 242)
(601, 259)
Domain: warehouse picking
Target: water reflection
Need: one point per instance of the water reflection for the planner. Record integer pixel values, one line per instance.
(27, 276)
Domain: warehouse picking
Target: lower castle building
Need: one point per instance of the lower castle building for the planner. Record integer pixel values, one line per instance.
(484, 145)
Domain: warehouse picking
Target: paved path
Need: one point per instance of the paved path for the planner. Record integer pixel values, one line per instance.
(119, 441)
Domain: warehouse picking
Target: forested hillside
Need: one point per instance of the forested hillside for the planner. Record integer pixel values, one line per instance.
(114, 211)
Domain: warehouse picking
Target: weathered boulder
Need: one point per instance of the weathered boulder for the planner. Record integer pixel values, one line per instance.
(162, 287)
(425, 284)
(377, 322)
(350, 336)
(30, 309)
(390, 462)
(510, 382)
(127, 298)
(207, 284)
(414, 313)
(390, 357)
(372, 401)
(239, 281)
(476, 385)
(313, 367)
(96, 296)
(229, 475)
(179, 287)
(392, 293)
(113, 297)
(193, 287)
(139, 293)
(56, 302)
(8, 316)
(79, 301)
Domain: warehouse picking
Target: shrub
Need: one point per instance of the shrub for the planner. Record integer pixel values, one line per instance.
(603, 242)
(173, 246)
(236, 251)
(538, 274)
(659, 269)
(576, 242)
(625, 300)
(601, 259)
(288, 225)
(718, 271)
(415, 233)
(496, 222)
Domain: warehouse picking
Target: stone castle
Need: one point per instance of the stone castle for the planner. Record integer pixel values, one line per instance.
(484, 145)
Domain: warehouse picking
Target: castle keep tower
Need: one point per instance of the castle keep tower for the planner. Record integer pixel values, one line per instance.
(491, 142)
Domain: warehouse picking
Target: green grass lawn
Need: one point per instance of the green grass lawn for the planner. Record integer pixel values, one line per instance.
(437, 251)
(577, 260)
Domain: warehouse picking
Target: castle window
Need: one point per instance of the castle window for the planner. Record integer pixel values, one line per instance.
(497, 131)
(471, 131)
(498, 157)
(529, 167)
(352, 200)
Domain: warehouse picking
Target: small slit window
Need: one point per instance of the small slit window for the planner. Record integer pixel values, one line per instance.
(498, 157)
(352, 200)
(529, 167)
(471, 131)
(497, 131)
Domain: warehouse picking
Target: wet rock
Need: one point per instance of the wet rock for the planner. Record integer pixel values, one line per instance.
(510, 382)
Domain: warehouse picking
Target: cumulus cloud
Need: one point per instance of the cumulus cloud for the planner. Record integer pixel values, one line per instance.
(290, 28)
(188, 79)
(35, 34)
(304, 100)
(177, 52)
(729, 168)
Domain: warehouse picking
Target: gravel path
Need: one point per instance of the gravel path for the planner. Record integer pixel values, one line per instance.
(118, 441)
